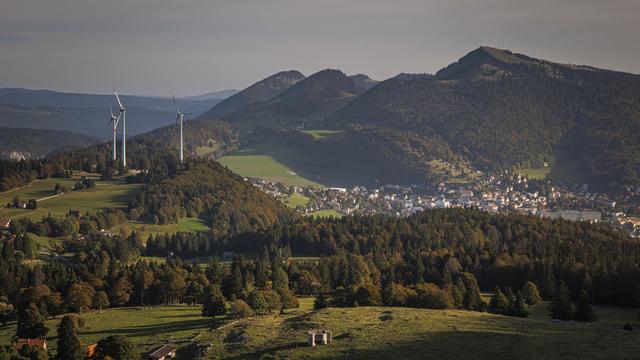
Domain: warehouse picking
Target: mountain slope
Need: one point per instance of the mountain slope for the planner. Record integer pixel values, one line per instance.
(500, 109)
(307, 102)
(17, 143)
(263, 90)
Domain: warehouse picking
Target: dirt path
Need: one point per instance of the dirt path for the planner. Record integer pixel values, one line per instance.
(49, 197)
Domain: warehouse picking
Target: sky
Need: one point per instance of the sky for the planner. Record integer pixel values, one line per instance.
(189, 47)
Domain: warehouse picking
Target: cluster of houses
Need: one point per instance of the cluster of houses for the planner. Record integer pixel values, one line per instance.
(503, 192)
(628, 223)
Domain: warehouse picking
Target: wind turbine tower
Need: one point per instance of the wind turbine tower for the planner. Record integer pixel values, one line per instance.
(123, 112)
(180, 118)
(114, 121)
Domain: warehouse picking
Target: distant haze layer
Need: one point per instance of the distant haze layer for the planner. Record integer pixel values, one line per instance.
(151, 47)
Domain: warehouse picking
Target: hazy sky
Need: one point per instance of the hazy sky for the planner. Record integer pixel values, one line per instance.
(195, 46)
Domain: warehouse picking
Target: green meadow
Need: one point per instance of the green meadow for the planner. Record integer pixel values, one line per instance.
(147, 327)
(259, 163)
(295, 199)
(326, 214)
(106, 194)
(183, 225)
(365, 333)
(535, 173)
(322, 134)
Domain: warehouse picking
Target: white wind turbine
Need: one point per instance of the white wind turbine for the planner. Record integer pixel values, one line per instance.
(114, 121)
(123, 112)
(180, 118)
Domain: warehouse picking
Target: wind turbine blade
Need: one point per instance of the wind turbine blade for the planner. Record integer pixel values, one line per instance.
(118, 98)
(176, 104)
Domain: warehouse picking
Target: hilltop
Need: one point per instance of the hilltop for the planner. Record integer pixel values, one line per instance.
(263, 90)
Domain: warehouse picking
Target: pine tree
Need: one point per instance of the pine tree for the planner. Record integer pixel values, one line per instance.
(320, 302)
(69, 347)
(387, 293)
(257, 302)
(519, 308)
(213, 302)
(561, 306)
(584, 310)
(498, 303)
(530, 293)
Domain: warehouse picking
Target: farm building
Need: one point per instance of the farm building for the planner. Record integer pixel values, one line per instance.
(163, 353)
(32, 342)
(318, 337)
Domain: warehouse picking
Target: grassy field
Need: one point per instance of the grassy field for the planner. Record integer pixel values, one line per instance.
(111, 194)
(326, 214)
(322, 134)
(461, 175)
(366, 333)
(535, 173)
(296, 199)
(255, 162)
(184, 224)
(146, 327)
(402, 333)
(206, 150)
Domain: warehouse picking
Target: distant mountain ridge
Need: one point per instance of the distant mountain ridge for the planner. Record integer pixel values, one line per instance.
(17, 143)
(88, 113)
(215, 95)
(263, 90)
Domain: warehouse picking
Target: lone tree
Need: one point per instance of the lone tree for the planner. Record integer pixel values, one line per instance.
(530, 293)
(258, 303)
(31, 323)
(213, 302)
(69, 347)
(100, 301)
(561, 306)
(498, 303)
(584, 310)
(117, 347)
(320, 302)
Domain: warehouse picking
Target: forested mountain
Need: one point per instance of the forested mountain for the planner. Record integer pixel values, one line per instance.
(363, 82)
(305, 104)
(209, 191)
(500, 109)
(261, 91)
(18, 143)
(492, 109)
(89, 113)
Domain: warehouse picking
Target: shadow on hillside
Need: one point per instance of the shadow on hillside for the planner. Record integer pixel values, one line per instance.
(465, 344)
(135, 331)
